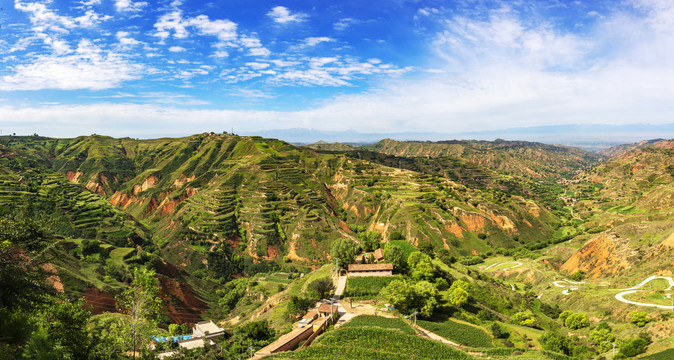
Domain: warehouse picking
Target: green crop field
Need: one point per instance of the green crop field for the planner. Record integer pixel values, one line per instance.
(461, 333)
(367, 287)
(373, 344)
(381, 322)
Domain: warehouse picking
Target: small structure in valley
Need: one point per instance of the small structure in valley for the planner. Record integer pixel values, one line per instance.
(379, 255)
(385, 269)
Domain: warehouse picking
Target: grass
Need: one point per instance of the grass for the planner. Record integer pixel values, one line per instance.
(367, 287)
(380, 322)
(463, 334)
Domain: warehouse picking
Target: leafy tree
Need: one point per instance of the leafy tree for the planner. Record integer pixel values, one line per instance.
(395, 255)
(90, 247)
(425, 294)
(109, 333)
(499, 331)
(426, 247)
(639, 318)
(321, 287)
(457, 295)
(400, 294)
(142, 303)
(524, 318)
(554, 341)
(174, 329)
(603, 338)
(420, 266)
(577, 321)
(298, 305)
(256, 330)
(633, 347)
(369, 240)
(344, 250)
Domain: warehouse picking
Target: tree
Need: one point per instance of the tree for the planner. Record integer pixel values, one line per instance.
(603, 338)
(639, 318)
(400, 294)
(577, 321)
(457, 293)
(426, 247)
(554, 341)
(395, 255)
(499, 331)
(633, 347)
(421, 266)
(344, 250)
(321, 287)
(369, 240)
(425, 297)
(141, 302)
(524, 318)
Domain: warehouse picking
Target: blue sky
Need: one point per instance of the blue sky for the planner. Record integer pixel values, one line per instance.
(171, 68)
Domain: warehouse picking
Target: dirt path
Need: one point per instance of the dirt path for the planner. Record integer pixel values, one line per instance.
(436, 337)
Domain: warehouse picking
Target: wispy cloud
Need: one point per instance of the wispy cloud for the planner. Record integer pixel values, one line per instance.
(129, 5)
(313, 41)
(282, 15)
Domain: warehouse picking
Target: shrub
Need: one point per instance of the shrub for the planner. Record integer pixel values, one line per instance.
(524, 318)
(639, 318)
(554, 341)
(633, 347)
(577, 321)
(498, 331)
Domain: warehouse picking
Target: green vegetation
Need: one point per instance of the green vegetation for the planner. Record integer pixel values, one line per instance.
(367, 287)
(365, 343)
(468, 335)
(380, 322)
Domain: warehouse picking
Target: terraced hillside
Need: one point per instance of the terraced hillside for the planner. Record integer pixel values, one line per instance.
(522, 158)
(635, 203)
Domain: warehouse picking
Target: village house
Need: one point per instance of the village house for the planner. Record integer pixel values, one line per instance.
(385, 269)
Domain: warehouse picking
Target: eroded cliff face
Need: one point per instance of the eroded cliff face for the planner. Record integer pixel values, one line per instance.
(604, 255)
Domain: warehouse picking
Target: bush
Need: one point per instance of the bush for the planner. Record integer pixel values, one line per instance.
(554, 341)
(499, 331)
(577, 321)
(639, 318)
(524, 318)
(633, 347)
(321, 288)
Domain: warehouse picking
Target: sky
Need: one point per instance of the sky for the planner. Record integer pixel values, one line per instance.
(173, 68)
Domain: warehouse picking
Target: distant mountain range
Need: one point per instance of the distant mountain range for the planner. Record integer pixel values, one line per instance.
(589, 137)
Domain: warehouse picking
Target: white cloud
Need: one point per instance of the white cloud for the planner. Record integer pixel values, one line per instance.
(282, 15)
(45, 20)
(344, 24)
(88, 67)
(313, 41)
(129, 5)
(125, 40)
(220, 54)
(177, 49)
(257, 65)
